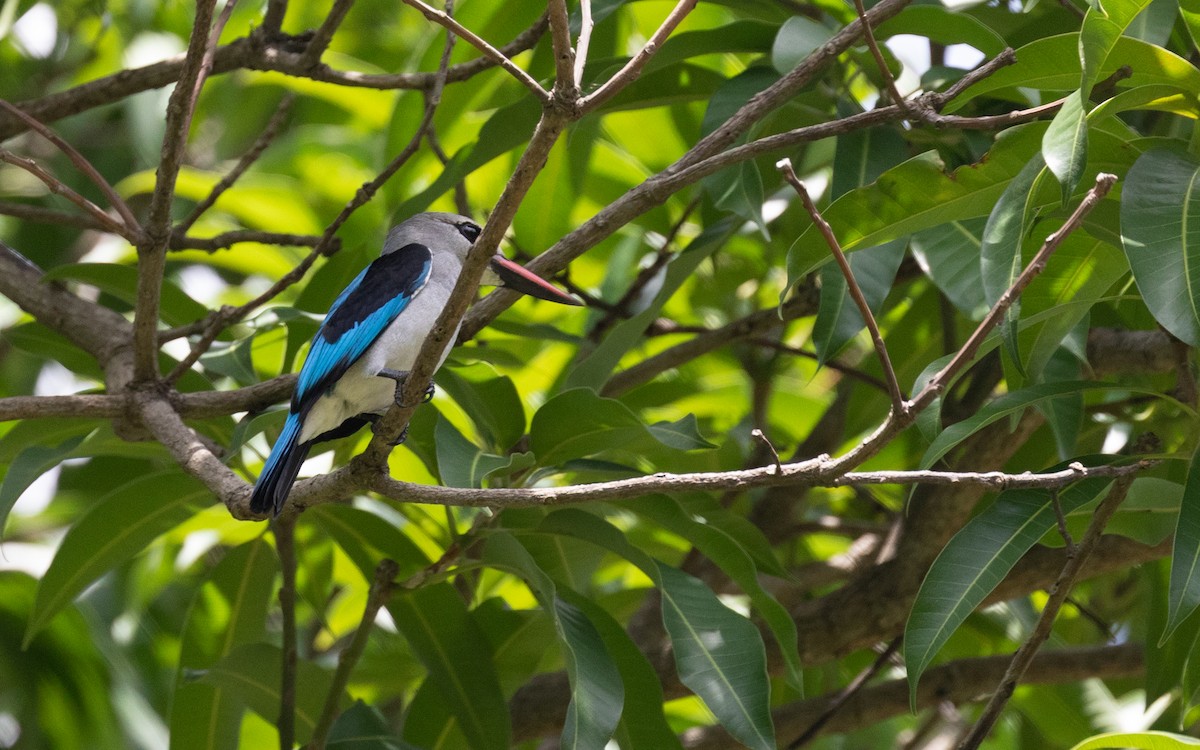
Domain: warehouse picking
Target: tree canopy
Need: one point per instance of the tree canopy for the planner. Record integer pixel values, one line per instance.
(876, 429)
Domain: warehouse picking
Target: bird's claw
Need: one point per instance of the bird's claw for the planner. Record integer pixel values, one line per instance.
(400, 377)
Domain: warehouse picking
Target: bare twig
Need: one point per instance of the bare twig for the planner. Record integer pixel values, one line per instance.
(873, 46)
(285, 543)
(564, 55)
(324, 34)
(633, 68)
(152, 250)
(839, 699)
(59, 187)
(273, 20)
(381, 589)
(1058, 594)
(131, 226)
(478, 43)
(898, 403)
(228, 239)
(260, 144)
(43, 215)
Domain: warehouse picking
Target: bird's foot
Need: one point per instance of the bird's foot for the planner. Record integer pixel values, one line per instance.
(400, 376)
(400, 439)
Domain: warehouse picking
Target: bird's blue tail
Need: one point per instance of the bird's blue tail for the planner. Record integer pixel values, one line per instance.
(280, 471)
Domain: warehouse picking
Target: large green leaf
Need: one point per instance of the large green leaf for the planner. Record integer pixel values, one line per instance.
(976, 559)
(27, 466)
(735, 562)
(1053, 64)
(1160, 227)
(1000, 260)
(251, 674)
(1103, 24)
(115, 529)
(1148, 740)
(448, 641)
(462, 464)
(597, 692)
(366, 539)
(1185, 559)
(229, 610)
(490, 400)
(579, 423)
(949, 254)
(943, 26)
(719, 654)
(1064, 146)
(916, 195)
(176, 307)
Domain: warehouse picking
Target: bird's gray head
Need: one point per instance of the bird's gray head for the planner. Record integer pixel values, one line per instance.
(443, 232)
(440, 232)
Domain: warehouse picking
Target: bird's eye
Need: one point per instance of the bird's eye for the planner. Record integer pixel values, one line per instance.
(469, 230)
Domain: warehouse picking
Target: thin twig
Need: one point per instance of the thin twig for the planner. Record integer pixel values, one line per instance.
(1061, 519)
(285, 543)
(324, 34)
(633, 68)
(381, 589)
(260, 144)
(873, 46)
(840, 698)
(1058, 594)
(564, 54)
(43, 215)
(231, 238)
(273, 19)
(478, 43)
(131, 226)
(152, 250)
(832, 364)
(899, 405)
(59, 187)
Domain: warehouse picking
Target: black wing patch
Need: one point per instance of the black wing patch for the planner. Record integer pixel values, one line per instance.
(397, 274)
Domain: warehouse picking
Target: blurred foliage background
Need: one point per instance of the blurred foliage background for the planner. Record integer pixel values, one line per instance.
(136, 612)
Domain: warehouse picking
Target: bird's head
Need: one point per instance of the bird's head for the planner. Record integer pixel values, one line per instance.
(446, 232)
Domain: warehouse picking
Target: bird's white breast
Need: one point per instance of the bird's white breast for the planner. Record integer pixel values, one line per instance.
(361, 390)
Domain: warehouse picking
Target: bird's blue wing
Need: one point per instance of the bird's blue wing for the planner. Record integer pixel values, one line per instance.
(360, 313)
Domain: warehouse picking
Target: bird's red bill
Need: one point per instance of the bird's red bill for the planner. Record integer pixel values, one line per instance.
(527, 282)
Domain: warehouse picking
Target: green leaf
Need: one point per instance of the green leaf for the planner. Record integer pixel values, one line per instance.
(1148, 740)
(943, 26)
(462, 464)
(1102, 27)
(796, 40)
(251, 674)
(1064, 146)
(491, 400)
(113, 530)
(597, 693)
(949, 254)
(975, 560)
(366, 539)
(1000, 255)
(176, 307)
(1185, 558)
(1053, 64)
(362, 727)
(1160, 228)
(1189, 11)
(1003, 406)
(643, 725)
(228, 611)
(578, 423)
(594, 369)
(720, 657)
(915, 195)
(447, 640)
(735, 562)
(28, 465)
(838, 317)
(718, 653)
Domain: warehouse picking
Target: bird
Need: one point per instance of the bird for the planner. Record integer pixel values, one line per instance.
(372, 335)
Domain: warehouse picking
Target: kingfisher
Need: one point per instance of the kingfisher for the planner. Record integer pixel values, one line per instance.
(372, 335)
